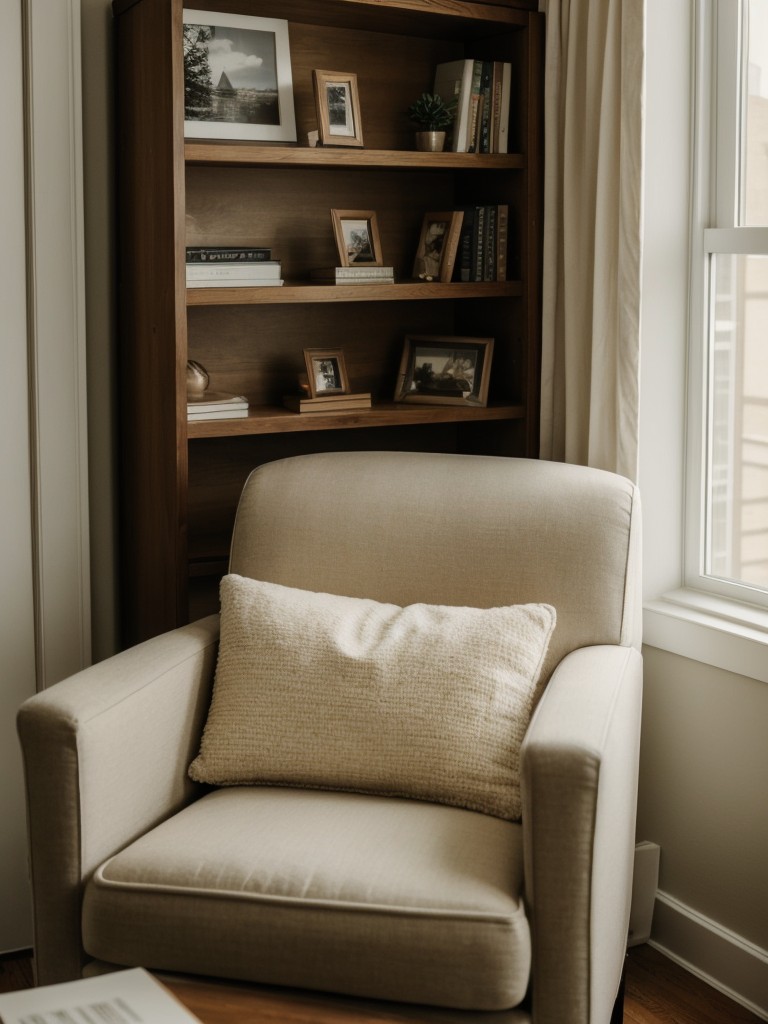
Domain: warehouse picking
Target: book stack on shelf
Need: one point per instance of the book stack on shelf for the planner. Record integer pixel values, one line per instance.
(216, 405)
(328, 403)
(354, 275)
(480, 90)
(482, 254)
(235, 267)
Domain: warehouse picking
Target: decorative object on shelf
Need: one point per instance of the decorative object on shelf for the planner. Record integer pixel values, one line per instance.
(433, 117)
(357, 238)
(338, 108)
(438, 245)
(197, 379)
(444, 370)
(326, 372)
(354, 275)
(237, 78)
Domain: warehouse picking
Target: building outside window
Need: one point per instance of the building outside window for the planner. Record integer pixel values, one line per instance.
(728, 433)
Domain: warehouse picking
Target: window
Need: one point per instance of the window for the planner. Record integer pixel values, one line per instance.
(727, 532)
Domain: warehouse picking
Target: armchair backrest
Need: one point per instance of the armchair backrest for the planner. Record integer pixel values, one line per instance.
(451, 529)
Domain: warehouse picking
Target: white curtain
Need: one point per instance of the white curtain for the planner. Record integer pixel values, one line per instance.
(593, 132)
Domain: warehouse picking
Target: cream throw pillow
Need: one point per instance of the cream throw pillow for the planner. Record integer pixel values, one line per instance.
(426, 701)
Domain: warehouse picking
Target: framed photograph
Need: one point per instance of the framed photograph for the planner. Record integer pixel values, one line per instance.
(438, 244)
(440, 370)
(237, 78)
(338, 108)
(357, 238)
(326, 372)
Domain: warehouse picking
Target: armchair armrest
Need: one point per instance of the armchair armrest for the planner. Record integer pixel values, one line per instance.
(579, 791)
(105, 759)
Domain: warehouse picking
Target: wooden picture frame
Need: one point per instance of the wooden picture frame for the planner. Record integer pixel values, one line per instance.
(357, 238)
(444, 370)
(326, 372)
(438, 245)
(337, 102)
(237, 78)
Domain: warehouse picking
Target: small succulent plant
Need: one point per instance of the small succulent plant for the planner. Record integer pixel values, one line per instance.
(430, 113)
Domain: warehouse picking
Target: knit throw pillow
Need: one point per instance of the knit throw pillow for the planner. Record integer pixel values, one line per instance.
(427, 701)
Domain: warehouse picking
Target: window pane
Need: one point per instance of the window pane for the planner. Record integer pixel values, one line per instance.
(755, 198)
(737, 443)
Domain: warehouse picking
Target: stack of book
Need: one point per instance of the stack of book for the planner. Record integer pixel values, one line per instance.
(216, 405)
(233, 267)
(354, 275)
(480, 90)
(328, 403)
(482, 254)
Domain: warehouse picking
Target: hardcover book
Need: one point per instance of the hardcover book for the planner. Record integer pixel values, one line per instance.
(328, 403)
(227, 254)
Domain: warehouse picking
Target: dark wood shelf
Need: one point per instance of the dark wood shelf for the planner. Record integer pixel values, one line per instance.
(298, 292)
(254, 154)
(267, 419)
(180, 481)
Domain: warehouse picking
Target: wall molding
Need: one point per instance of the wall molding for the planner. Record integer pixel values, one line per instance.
(56, 337)
(720, 957)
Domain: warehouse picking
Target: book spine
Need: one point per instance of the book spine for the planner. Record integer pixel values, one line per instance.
(478, 239)
(486, 98)
(249, 282)
(214, 254)
(506, 81)
(352, 272)
(496, 82)
(233, 272)
(489, 264)
(502, 239)
(474, 104)
(464, 260)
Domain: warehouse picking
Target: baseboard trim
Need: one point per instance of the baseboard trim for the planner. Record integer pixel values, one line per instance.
(720, 957)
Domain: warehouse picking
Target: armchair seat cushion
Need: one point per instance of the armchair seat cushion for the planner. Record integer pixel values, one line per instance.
(365, 895)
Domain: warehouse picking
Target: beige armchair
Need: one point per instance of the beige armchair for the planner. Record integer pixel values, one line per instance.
(371, 895)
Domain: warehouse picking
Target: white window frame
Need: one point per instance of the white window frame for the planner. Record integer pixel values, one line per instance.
(716, 622)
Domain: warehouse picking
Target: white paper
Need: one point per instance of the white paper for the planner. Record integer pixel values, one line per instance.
(123, 997)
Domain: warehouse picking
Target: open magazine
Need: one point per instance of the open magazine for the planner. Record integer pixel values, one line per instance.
(123, 997)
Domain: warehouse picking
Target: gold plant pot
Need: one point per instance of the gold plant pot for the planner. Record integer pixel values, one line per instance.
(430, 142)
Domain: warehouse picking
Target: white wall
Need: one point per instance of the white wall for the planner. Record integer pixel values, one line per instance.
(704, 755)
(45, 621)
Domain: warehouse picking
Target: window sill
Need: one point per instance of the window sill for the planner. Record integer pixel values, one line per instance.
(713, 630)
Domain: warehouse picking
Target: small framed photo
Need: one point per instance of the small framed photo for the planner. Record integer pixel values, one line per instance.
(338, 108)
(438, 244)
(357, 238)
(326, 372)
(440, 370)
(237, 78)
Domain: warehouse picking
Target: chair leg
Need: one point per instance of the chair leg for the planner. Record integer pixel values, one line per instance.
(617, 1017)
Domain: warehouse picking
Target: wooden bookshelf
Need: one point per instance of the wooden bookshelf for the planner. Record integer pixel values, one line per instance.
(180, 480)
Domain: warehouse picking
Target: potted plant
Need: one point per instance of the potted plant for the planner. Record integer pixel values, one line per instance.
(433, 118)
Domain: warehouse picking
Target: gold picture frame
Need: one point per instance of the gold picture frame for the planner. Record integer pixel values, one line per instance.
(444, 370)
(326, 372)
(438, 245)
(357, 238)
(337, 102)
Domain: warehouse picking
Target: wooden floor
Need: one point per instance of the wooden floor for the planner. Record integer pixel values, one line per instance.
(658, 991)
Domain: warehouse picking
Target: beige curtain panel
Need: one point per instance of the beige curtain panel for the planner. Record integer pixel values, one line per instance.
(592, 232)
